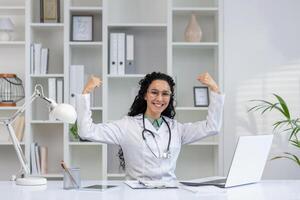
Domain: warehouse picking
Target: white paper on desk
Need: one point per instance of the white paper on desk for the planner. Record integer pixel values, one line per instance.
(152, 184)
(205, 190)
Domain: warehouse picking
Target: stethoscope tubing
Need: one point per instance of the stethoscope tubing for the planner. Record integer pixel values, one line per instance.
(147, 130)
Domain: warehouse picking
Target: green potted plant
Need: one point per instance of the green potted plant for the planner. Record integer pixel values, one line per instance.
(286, 125)
(74, 132)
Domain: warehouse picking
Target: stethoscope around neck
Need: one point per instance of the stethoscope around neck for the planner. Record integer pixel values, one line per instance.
(166, 154)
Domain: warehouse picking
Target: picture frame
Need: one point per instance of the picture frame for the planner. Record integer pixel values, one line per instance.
(82, 28)
(50, 11)
(201, 96)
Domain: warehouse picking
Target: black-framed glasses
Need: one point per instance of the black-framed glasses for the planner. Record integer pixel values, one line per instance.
(164, 94)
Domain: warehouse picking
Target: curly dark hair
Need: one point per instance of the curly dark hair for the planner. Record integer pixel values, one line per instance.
(139, 104)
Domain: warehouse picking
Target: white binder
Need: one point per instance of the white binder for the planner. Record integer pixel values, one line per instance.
(129, 66)
(76, 82)
(52, 92)
(59, 91)
(113, 54)
(121, 53)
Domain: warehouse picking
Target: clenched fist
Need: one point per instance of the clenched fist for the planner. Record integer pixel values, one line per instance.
(207, 80)
(91, 84)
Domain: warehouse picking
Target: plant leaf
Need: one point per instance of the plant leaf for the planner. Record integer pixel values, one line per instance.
(283, 106)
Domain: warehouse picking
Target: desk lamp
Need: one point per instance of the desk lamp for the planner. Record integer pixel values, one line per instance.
(63, 112)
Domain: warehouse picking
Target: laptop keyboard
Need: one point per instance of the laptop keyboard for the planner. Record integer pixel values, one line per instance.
(213, 182)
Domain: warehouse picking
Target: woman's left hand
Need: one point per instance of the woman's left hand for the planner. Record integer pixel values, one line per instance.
(207, 80)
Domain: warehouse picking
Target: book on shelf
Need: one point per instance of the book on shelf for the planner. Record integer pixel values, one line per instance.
(38, 159)
(39, 59)
(121, 54)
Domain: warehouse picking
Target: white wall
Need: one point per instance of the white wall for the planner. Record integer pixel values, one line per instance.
(261, 57)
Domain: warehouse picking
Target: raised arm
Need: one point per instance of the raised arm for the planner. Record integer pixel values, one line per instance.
(103, 132)
(192, 132)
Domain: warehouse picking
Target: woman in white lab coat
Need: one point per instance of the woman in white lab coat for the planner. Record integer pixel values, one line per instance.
(150, 137)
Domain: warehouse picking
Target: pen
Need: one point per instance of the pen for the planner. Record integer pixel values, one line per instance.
(62, 163)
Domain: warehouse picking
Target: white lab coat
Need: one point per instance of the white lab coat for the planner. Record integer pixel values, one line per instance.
(127, 132)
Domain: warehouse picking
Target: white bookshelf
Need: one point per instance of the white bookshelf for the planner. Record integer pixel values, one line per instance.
(158, 27)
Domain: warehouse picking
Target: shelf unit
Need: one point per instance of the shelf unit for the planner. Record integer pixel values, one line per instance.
(12, 60)
(158, 28)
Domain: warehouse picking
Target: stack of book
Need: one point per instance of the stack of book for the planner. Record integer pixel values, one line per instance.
(121, 54)
(38, 159)
(39, 59)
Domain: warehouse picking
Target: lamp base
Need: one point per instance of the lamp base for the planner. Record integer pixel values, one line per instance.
(31, 181)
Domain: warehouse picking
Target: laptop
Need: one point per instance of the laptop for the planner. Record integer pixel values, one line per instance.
(247, 165)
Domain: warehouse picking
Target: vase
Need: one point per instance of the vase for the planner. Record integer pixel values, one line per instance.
(193, 31)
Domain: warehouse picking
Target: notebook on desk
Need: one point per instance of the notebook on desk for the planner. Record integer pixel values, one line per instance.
(247, 165)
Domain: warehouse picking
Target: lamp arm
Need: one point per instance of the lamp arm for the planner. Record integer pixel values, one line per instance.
(8, 124)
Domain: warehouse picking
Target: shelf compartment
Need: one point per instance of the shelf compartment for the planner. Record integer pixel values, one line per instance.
(187, 65)
(50, 136)
(208, 24)
(88, 159)
(118, 89)
(91, 59)
(97, 24)
(53, 40)
(137, 11)
(150, 48)
(35, 8)
(137, 25)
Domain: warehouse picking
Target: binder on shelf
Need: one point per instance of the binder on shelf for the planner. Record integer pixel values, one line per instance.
(113, 54)
(76, 82)
(129, 65)
(121, 53)
(31, 59)
(44, 60)
(59, 91)
(37, 48)
(52, 91)
(34, 170)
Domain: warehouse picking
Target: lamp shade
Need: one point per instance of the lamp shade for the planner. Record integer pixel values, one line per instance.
(6, 24)
(64, 112)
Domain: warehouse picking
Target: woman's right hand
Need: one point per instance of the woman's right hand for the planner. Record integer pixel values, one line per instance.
(93, 82)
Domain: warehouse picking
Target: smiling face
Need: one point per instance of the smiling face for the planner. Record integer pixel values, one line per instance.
(157, 97)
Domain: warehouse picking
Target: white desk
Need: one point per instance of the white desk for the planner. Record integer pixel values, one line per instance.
(266, 190)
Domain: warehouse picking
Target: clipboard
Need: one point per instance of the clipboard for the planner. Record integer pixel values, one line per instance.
(138, 184)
